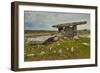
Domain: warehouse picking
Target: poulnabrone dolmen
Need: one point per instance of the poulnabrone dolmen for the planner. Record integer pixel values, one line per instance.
(69, 29)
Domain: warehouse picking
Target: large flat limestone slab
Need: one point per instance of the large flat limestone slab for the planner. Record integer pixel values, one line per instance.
(40, 39)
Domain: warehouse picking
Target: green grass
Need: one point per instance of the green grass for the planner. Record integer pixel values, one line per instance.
(58, 50)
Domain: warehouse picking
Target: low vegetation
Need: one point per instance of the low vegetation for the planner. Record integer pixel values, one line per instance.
(61, 49)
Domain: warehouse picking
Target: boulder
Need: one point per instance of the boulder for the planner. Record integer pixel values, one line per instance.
(76, 37)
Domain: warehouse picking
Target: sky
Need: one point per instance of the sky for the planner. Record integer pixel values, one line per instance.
(36, 20)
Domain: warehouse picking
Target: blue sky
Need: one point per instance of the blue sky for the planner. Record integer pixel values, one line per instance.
(36, 20)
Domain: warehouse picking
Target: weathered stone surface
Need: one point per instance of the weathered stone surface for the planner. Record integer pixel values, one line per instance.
(40, 39)
(70, 24)
(69, 29)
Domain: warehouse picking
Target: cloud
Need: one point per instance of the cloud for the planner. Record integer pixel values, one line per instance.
(35, 20)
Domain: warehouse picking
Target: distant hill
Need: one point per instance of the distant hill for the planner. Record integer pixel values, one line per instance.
(39, 31)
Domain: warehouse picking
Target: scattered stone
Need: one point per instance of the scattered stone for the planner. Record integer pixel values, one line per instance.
(55, 38)
(72, 49)
(42, 53)
(67, 49)
(86, 44)
(30, 54)
(65, 37)
(60, 51)
(61, 40)
(76, 37)
(54, 51)
(88, 36)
